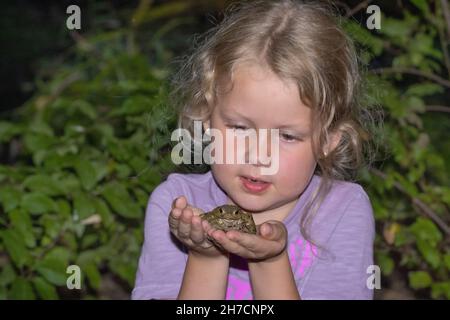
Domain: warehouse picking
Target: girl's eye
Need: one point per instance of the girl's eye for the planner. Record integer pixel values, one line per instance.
(238, 128)
(289, 137)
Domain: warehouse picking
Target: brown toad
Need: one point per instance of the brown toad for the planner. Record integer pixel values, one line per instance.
(230, 217)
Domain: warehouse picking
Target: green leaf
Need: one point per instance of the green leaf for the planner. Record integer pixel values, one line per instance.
(44, 289)
(36, 142)
(89, 240)
(447, 261)
(15, 245)
(83, 205)
(426, 230)
(118, 149)
(141, 196)
(407, 185)
(53, 266)
(124, 269)
(120, 200)
(21, 289)
(133, 105)
(101, 169)
(52, 225)
(399, 30)
(70, 241)
(440, 289)
(7, 275)
(424, 89)
(419, 279)
(92, 256)
(10, 198)
(161, 11)
(64, 209)
(38, 203)
(364, 37)
(53, 160)
(43, 184)
(8, 130)
(85, 108)
(86, 172)
(123, 171)
(22, 222)
(93, 275)
(403, 237)
(430, 253)
(415, 104)
(70, 183)
(422, 5)
(385, 262)
(103, 210)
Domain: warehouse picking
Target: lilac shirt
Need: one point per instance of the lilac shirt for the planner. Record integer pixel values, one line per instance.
(344, 226)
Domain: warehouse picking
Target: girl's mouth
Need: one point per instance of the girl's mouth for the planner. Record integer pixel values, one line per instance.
(254, 185)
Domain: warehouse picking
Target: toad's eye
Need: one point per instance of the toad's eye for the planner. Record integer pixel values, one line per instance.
(221, 210)
(235, 211)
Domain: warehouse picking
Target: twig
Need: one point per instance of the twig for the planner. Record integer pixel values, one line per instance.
(444, 49)
(446, 12)
(67, 82)
(438, 109)
(415, 72)
(343, 5)
(422, 206)
(442, 38)
(357, 8)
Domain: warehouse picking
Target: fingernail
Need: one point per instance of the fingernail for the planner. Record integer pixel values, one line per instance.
(268, 229)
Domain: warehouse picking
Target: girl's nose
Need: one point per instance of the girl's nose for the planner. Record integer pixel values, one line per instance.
(259, 153)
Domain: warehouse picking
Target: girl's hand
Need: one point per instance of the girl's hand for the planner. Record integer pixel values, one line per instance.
(269, 242)
(188, 227)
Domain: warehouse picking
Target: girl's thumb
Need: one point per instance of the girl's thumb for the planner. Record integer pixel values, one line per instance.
(271, 230)
(267, 230)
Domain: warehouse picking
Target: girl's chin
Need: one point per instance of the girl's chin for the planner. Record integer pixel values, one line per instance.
(251, 205)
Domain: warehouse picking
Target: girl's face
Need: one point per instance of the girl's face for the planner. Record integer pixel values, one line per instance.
(260, 100)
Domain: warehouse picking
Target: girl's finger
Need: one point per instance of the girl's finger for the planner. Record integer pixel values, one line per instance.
(248, 241)
(206, 226)
(253, 246)
(272, 230)
(196, 211)
(184, 227)
(197, 234)
(174, 218)
(231, 246)
(180, 203)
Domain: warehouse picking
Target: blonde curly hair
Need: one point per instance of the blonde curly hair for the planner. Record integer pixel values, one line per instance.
(300, 42)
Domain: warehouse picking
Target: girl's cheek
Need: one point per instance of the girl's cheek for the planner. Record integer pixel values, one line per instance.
(295, 165)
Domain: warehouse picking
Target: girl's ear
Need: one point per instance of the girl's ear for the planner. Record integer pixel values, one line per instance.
(335, 137)
(206, 125)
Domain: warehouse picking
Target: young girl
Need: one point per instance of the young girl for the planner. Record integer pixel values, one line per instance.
(283, 65)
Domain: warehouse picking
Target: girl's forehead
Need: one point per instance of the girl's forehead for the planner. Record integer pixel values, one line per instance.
(259, 93)
(251, 82)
